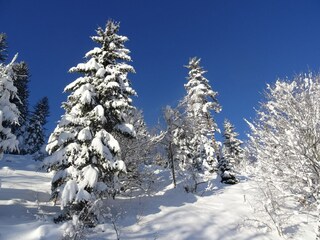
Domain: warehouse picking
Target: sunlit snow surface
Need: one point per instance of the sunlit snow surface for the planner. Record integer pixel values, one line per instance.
(222, 212)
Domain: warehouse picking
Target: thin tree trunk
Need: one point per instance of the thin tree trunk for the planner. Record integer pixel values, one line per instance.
(172, 165)
(318, 202)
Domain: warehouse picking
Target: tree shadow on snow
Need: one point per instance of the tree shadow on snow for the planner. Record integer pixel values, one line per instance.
(212, 187)
(136, 211)
(179, 225)
(12, 162)
(24, 205)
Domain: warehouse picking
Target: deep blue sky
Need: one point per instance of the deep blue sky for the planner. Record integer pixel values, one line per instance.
(243, 45)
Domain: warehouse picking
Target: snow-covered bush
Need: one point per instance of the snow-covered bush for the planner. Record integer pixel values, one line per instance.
(172, 142)
(136, 153)
(285, 142)
(83, 152)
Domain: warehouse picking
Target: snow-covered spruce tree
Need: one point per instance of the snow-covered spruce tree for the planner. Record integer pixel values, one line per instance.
(21, 81)
(83, 152)
(3, 47)
(199, 103)
(20, 78)
(285, 140)
(35, 133)
(232, 154)
(9, 113)
(189, 138)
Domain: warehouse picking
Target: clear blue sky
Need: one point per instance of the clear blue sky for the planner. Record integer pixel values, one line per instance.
(243, 45)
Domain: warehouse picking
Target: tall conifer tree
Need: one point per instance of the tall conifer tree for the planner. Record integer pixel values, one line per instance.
(21, 79)
(35, 133)
(199, 103)
(190, 136)
(83, 151)
(3, 47)
(9, 113)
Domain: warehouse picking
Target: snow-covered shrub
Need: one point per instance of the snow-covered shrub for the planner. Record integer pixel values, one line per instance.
(73, 229)
(136, 153)
(285, 143)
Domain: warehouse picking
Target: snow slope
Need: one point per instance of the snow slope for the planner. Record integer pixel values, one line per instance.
(222, 212)
(25, 212)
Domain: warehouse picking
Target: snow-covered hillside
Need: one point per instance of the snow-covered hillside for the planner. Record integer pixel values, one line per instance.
(220, 212)
(25, 210)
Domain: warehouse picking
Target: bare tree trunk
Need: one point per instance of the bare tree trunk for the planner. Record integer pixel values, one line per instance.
(318, 202)
(172, 165)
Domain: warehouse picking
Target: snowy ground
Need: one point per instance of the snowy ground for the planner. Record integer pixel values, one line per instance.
(224, 212)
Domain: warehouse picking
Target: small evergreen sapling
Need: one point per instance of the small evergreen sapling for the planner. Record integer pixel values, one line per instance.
(232, 145)
(232, 154)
